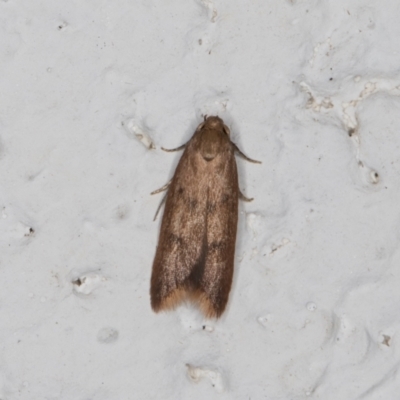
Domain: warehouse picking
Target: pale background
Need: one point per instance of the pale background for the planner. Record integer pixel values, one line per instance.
(309, 87)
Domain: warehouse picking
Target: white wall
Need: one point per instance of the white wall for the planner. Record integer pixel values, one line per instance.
(314, 309)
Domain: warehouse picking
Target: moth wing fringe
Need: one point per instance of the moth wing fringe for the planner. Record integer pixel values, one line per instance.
(180, 295)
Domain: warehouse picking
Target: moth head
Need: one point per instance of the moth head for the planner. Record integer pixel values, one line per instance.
(213, 123)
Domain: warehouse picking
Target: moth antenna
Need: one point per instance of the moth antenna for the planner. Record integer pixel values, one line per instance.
(240, 153)
(159, 207)
(244, 198)
(200, 126)
(176, 149)
(165, 187)
(227, 130)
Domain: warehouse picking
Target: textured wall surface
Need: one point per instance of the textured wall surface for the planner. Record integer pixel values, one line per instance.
(311, 88)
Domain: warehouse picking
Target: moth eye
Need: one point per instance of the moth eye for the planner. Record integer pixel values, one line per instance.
(227, 130)
(200, 127)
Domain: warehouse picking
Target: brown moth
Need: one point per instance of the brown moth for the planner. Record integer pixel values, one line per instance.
(196, 248)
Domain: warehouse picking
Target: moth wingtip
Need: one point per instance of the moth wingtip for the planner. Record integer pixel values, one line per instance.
(169, 302)
(178, 296)
(209, 310)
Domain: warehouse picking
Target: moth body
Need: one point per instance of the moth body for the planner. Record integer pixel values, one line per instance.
(195, 254)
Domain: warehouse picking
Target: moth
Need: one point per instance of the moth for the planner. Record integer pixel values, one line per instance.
(194, 259)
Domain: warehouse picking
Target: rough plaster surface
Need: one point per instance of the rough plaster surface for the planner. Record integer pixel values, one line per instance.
(309, 87)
